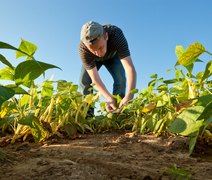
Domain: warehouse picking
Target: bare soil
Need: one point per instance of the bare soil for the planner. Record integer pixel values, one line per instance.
(107, 156)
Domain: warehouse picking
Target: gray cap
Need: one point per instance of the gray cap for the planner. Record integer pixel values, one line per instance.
(90, 31)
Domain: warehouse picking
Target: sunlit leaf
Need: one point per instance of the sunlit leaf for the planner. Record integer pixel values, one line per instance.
(151, 121)
(178, 90)
(152, 83)
(149, 107)
(89, 98)
(199, 76)
(179, 50)
(162, 87)
(7, 73)
(177, 74)
(186, 123)
(35, 127)
(158, 125)
(191, 54)
(154, 76)
(134, 91)
(161, 103)
(47, 89)
(24, 100)
(26, 47)
(73, 88)
(63, 85)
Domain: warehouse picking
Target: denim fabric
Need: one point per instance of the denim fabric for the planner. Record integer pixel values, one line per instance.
(115, 68)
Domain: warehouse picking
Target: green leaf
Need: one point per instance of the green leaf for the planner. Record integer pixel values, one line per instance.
(162, 87)
(24, 100)
(177, 90)
(5, 61)
(7, 73)
(17, 89)
(158, 124)
(63, 85)
(179, 50)
(208, 71)
(170, 81)
(73, 88)
(4, 45)
(5, 94)
(199, 60)
(190, 67)
(177, 173)
(204, 100)
(191, 54)
(27, 120)
(134, 91)
(37, 131)
(35, 127)
(178, 74)
(199, 76)
(154, 76)
(89, 99)
(28, 71)
(27, 47)
(207, 111)
(186, 123)
(152, 83)
(192, 141)
(47, 89)
(4, 121)
(161, 103)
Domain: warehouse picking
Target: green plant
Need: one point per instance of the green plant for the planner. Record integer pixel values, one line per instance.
(178, 106)
(24, 73)
(177, 173)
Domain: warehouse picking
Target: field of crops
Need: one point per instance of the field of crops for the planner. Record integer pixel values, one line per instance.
(179, 107)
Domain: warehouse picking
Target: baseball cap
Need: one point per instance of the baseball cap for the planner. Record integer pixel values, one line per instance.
(90, 31)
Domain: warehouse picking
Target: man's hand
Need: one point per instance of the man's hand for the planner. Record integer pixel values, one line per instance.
(110, 106)
(125, 100)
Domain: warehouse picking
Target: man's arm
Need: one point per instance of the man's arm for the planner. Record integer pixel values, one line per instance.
(131, 78)
(131, 83)
(94, 75)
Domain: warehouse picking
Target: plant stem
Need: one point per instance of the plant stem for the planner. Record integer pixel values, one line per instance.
(208, 53)
(207, 90)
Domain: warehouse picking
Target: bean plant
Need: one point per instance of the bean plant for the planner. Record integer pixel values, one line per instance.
(178, 106)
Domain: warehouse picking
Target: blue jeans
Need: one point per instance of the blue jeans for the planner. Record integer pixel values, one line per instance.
(115, 68)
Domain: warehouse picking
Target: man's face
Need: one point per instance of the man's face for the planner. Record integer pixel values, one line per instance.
(99, 47)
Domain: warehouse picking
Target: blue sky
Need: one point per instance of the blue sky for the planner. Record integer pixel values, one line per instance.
(153, 28)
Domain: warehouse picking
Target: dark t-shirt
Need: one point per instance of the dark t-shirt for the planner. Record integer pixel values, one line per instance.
(116, 44)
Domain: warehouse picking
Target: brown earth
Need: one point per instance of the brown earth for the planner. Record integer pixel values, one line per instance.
(107, 156)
